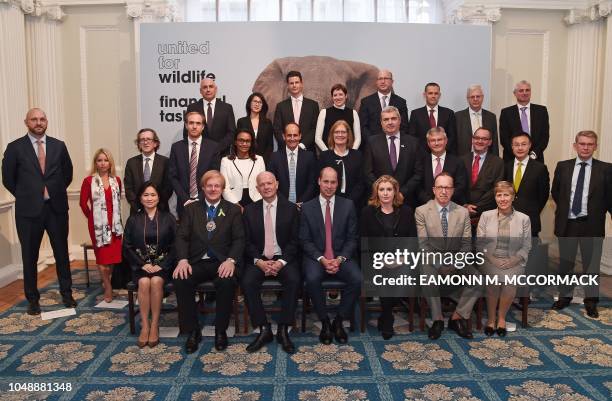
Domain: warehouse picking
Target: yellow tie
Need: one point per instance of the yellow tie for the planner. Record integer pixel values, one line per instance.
(518, 177)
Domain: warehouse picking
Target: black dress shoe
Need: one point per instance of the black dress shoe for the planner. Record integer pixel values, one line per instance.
(501, 331)
(69, 302)
(34, 308)
(282, 337)
(460, 326)
(561, 303)
(435, 331)
(385, 326)
(220, 340)
(264, 337)
(326, 336)
(339, 332)
(489, 331)
(591, 310)
(194, 339)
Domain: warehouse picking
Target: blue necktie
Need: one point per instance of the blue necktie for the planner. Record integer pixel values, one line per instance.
(577, 202)
(210, 215)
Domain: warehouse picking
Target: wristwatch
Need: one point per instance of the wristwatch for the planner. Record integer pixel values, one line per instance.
(230, 260)
(342, 259)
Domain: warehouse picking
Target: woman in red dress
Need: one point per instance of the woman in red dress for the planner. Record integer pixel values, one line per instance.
(101, 204)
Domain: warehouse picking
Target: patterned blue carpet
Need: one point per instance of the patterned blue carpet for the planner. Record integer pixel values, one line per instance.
(563, 356)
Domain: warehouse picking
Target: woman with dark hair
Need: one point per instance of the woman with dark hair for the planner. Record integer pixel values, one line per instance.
(256, 120)
(240, 169)
(387, 216)
(148, 247)
(338, 111)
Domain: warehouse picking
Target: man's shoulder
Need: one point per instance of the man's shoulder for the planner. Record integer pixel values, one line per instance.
(397, 98)
(419, 110)
(509, 109)
(486, 112)
(458, 209)
(310, 101)
(442, 109)
(465, 112)
(371, 98)
(223, 105)
(136, 159)
(426, 207)
(196, 106)
(24, 140)
(252, 208)
(283, 103)
(538, 107)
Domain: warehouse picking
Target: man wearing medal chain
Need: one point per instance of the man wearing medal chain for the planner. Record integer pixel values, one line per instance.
(209, 246)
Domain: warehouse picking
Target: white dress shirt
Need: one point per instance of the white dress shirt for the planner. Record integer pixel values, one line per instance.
(585, 189)
(151, 158)
(33, 139)
(190, 146)
(277, 249)
(434, 161)
(213, 104)
(523, 168)
(435, 109)
(475, 119)
(528, 112)
(323, 203)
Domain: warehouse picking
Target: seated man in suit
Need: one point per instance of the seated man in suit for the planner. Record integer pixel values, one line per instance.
(484, 169)
(209, 246)
(443, 226)
(271, 226)
(295, 168)
(530, 180)
(372, 105)
(296, 109)
(433, 115)
(147, 166)
(220, 121)
(440, 160)
(527, 117)
(394, 154)
(190, 159)
(472, 118)
(328, 233)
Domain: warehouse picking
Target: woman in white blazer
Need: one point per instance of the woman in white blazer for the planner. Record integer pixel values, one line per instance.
(241, 168)
(506, 235)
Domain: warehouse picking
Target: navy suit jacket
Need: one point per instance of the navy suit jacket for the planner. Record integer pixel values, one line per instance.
(452, 165)
(223, 125)
(369, 115)
(419, 125)
(305, 176)
(510, 123)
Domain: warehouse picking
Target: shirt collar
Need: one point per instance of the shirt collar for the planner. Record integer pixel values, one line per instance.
(33, 139)
(442, 157)
(528, 105)
(439, 207)
(273, 203)
(322, 200)
(380, 95)
(300, 98)
(213, 103)
(429, 108)
(198, 141)
(516, 161)
(151, 157)
(474, 111)
(589, 161)
(295, 152)
(396, 135)
(215, 204)
(341, 107)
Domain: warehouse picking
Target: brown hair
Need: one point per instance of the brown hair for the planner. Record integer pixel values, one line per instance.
(398, 198)
(155, 137)
(338, 87)
(586, 133)
(501, 186)
(331, 143)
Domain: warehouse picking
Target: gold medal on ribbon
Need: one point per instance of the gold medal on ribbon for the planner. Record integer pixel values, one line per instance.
(210, 226)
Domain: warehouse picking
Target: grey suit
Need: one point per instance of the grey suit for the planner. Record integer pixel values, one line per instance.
(464, 131)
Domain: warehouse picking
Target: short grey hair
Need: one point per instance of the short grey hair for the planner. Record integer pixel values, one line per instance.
(521, 82)
(435, 130)
(391, 109)
(472, 88)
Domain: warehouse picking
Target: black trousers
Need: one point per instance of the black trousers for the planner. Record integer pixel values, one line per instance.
(30, 231)
(252, 280)
(204, 270)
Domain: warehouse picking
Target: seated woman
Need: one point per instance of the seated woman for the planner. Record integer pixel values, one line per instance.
(240, 170)
(506, 234)
(339, 111)
(256, 121)
(347, 162)
(148, 246)
(387, 216)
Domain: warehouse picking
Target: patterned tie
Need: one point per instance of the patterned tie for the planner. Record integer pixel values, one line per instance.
(42, 157)
(383, 103)
(475, 168)
(209, 115)
(524, 120)
(210, 216)
(193, 166)
(269, 233)
(432, 119)
(329, 249)
(444, 223)
(296, 110)
(392, 152)
(438, 167)
(147, 169)
(292, 194)
(577, 202)
(518, 176)
(478, 120)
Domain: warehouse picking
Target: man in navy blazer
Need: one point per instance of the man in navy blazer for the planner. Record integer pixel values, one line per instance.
(329, 235)
(36, 170)
(184, 183)
(304, 188)
(372, 105)
(433, 115)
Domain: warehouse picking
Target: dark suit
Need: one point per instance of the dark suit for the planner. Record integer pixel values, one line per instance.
(452, 165)
(265, 135)
(23, 177)
(481, 192)
(309, 113)
(222, 127)
(352, 163)
(286, 229)
(510, 123)
(533, 192)
(178, 169)
(192, 243)
(419, 125)
(369, 115)
(305, 174)
(134, 178)
(409, 170)
(464, 130)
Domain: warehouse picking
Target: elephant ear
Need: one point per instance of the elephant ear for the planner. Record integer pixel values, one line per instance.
(271, 83)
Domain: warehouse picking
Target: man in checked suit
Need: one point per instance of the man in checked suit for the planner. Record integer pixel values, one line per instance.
(582, 190)
(372, 105)
(472, 118)
(36, 170)
(527, 117)
(296, 109)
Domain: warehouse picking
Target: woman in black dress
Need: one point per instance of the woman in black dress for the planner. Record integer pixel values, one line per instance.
(148, 246)
(257, 121)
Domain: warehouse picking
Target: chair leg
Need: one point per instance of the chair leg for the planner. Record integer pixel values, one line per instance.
(131, 313)
(524, 312)
(362, 312)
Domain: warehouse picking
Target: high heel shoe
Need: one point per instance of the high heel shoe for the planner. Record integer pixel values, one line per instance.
(153, 344)
(501, 331)
(489, 331)
(142, 344)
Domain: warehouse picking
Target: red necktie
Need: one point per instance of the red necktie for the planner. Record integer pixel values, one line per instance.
(329, 250)
(438, 167)
(432, 119)
(475, 169)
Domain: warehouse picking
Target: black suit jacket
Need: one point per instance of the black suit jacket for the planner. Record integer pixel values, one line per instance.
(481, 193)
(227, 241)
(599, 197)
(510, 123)
(409, 170)
(134, 241)
(283, 115)
(223, 125)
(208, 159)
(134, 178)
(452, 165)
(464, 131)
(305, 176)
(404, 224)
(419, 125)
(22, 176)
(369, 115)
(286, 229)
(533, 192)
(265, 135)
(344, 228)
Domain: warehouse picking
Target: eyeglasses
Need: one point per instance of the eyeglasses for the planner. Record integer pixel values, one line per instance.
(146, 140)
(444, 188)
(256, 102)
(243, 141)
(481, 139)
(384, 79)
